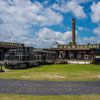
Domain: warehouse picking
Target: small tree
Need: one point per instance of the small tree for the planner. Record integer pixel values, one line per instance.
(70, 43)
(89, 43)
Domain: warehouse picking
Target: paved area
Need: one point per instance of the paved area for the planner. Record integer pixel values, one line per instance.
(27, 87)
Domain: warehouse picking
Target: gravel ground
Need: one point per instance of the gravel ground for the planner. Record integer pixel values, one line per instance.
(26, 87)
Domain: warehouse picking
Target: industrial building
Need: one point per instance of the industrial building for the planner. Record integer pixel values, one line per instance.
(75, 51)
(70, 51)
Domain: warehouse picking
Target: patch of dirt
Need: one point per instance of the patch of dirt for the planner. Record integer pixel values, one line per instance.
(25, 76)
(6, 70)
(45, 76)
(98, 76)
(53, 76)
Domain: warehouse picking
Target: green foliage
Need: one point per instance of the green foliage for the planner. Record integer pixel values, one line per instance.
(70, 43)
(88, 43)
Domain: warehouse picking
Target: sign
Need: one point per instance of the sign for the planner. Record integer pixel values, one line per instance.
(62, 51)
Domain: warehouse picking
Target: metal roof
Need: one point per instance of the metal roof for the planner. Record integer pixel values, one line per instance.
(39, 50)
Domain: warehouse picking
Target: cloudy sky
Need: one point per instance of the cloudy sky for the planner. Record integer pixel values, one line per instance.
(40, 23)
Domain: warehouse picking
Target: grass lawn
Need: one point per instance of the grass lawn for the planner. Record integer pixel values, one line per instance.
(30, 97)
(58, 72)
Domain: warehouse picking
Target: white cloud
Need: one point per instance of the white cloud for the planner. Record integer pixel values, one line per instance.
(97, 30)
(46, 37)
(86, 40)
(46, 2)
(49, 34)
(95, 15)
(78, 1)
(18, 16)
(83, 1)
(43, 38)
(82, 28)
(27, 12)
(71, 6)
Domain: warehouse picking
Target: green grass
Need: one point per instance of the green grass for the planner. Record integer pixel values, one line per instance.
(58, 72)
(54, 72)
(62, 97)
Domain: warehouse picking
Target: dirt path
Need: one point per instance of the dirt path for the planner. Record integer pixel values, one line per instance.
(27, 87)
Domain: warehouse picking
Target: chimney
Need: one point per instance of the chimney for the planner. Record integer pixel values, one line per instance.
(73, 31)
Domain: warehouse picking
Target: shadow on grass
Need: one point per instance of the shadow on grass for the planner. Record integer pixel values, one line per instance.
(21, 67)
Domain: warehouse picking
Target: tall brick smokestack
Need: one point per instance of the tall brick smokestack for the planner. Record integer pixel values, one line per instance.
(73, 31)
